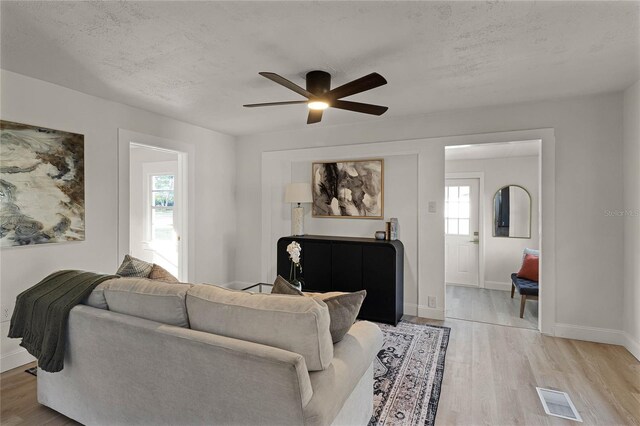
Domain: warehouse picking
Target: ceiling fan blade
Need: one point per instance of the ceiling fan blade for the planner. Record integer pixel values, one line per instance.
(362, 84)
(360, 107)
(275, 104)
(286, 83)
(315, 115)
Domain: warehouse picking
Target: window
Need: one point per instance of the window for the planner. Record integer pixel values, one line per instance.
(162, 201)
(456, 210)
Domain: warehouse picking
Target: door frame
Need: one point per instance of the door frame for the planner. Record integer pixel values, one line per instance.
(276, 173)
(546, 233)
(481, 224)
(153, 169)
(185, 153)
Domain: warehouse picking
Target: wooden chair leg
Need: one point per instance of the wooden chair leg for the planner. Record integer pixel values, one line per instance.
(513, 287)
(523, 299)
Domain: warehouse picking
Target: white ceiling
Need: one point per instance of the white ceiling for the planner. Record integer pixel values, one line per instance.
(199, 61)
(492, 150)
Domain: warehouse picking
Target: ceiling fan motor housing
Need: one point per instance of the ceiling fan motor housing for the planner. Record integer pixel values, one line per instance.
(318, 82)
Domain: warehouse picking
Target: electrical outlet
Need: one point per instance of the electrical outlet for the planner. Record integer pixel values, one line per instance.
(432, 301)
(5, 314)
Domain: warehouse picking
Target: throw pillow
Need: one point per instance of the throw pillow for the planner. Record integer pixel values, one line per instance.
(282, 286)
(527, 251)
(158, 273)
(343, 310)
(343, 307)
(529, 268)
(132, 267)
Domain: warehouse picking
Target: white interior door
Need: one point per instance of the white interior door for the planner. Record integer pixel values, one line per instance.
(161, 231)
(462, 232)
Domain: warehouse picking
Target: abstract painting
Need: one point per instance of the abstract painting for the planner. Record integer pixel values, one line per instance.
(41, 185)
(348, 189)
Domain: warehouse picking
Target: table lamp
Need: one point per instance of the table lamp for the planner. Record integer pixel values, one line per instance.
(298, 193)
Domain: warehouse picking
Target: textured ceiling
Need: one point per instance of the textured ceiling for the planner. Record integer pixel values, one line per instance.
(199, 61)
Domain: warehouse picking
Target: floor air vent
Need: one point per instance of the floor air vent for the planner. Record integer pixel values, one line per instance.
(558, 404)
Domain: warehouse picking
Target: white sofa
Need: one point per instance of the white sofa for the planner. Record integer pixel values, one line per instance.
(122, 369)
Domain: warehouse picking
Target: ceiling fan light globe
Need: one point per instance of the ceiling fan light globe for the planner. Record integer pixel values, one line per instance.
(318, 105)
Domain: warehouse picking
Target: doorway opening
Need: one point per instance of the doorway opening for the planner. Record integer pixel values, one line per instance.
(157, 207)
(492, 217)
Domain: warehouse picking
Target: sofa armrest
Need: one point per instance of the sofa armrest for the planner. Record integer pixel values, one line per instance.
(352, 359)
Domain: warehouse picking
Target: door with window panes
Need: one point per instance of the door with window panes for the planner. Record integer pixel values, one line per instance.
(461, 232)
(163, 238)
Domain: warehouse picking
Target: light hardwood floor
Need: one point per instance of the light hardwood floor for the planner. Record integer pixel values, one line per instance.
(19, 404)
(490, 377)
(492, 306)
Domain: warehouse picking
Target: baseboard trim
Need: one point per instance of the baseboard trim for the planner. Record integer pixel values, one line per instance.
(496, 285)
(462, 285)
(599, 335)
(632, 345)
(590, 334)
(431, 313)
(15, 359)
(411, 309)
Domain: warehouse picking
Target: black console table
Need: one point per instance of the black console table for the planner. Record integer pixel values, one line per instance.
(352, 264)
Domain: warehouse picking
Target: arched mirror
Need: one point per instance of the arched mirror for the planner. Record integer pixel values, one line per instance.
(512, 212)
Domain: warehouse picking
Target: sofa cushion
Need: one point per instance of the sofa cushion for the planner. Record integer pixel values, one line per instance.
(96, 298)
(152, 300)
(134, 267)
(525, 286)
(343, 307)
(296, 324)
(158, 273)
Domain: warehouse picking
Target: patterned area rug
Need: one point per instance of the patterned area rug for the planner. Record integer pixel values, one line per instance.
(408, 374)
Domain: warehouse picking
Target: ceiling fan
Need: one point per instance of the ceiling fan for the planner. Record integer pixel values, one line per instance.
(320, 96)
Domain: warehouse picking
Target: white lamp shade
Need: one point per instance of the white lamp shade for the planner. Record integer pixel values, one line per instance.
(298, 193)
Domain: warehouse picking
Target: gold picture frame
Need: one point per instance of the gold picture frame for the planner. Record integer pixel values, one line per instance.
(365, 177)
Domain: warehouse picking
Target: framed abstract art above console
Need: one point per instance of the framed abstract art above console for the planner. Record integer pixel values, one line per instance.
(348, 189)
(41, 185)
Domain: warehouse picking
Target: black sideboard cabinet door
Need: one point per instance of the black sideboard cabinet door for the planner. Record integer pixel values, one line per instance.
(316, 266)
(346, 271)
(378, 270)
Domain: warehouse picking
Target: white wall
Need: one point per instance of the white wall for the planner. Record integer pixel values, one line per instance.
(588, 133)
(503, 256)
(631, 209)
(30, 101)
(400, 201)
(422, 242)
